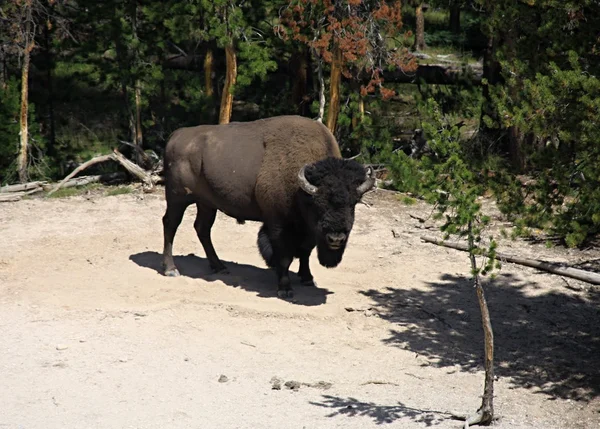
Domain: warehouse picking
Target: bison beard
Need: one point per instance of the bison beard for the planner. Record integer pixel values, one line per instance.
(265, 247)
(328, 257)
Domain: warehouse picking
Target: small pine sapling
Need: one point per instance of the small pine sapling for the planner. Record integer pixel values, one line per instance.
(455, 191)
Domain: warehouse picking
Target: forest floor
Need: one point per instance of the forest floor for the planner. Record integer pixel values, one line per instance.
(93, 336)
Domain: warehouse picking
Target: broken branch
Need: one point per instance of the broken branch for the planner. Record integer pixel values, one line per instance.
(550, 267)
(116, 156)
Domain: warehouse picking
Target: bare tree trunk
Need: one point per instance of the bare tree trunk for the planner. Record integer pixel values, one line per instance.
(487, 402)
(300, 79)
(419, 44)
(139, 137)
(321, 88)
(208, 72)
(50, 85)
(491, 73)
(334, 89)
(137, 133)
(516, 149)
(361, 108)
(485, 413)
(455, 17)
(230, 80)
(23, 158)
(3, 69)
(359, 115)
(516, 137)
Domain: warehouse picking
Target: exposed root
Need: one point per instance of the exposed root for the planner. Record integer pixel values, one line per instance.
(481, 417)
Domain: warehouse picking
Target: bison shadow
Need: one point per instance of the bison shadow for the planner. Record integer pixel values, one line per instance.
(261, 281)
(548, 342)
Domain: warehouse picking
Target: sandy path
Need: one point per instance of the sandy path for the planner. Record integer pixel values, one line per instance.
(95, 337)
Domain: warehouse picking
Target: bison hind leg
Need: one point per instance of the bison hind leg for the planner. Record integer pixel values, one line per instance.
(265, 247)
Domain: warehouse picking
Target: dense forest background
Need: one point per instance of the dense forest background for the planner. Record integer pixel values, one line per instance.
(509, 88)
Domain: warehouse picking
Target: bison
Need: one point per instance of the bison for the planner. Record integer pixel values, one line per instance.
(286, 172)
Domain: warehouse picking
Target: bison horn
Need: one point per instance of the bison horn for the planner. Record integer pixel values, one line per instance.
(308, 187)
(368, 183)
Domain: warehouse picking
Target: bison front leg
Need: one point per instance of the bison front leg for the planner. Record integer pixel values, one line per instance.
(284, 288)
(205, 219)
(306, 277)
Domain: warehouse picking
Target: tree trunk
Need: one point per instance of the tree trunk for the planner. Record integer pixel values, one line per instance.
(23, 158)
(3, 69)
(321, 85)
(516, 149)
(300, 79)
(137, 134)
(138, 141)
(516, 138)
(50, 87)
(334, 89)
(359, 115)
(455, 17)
(491, 72)
(208, 72)
(419, 44)
(485, 413)
(230, 79)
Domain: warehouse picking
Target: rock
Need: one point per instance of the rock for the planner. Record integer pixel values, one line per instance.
(324, 385)
(276, 383)
(61, 347)
(123, 360)
(223, 379)
(293, 385)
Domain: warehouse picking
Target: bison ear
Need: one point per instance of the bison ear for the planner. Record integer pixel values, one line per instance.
(369, 182)
(308, 187)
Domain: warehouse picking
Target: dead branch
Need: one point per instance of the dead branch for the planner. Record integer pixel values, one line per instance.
(550, 267)
(86, 180)
(420, 219)
(135, 170)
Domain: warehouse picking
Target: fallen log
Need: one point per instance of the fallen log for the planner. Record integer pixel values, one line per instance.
(22, 187)
(9, 197)
(554, 268)
(438, 74)
(135, 170)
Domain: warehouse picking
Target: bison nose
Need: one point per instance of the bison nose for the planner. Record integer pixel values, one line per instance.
(336, 239)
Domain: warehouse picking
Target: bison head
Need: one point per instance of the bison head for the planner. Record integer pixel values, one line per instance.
(332, 188)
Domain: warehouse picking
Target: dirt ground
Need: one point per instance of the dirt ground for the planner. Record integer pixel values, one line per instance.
(93, 336)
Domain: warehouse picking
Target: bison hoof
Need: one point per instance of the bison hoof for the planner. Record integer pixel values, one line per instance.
(220, 270)
(308, 282)
(172, 273)
(285, 293)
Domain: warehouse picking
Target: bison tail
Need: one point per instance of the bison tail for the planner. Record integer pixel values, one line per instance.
(264, 246)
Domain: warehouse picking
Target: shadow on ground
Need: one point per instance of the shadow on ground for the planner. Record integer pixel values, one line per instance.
(261, 281)
(381, 414)
(547, 341)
